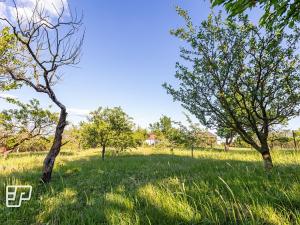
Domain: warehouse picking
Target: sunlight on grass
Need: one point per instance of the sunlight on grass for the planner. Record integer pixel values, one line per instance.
(119, 209)
(154, 186)
(171, 204)
(268, 215)
(61, 201)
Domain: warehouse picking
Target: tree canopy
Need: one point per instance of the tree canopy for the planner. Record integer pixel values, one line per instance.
(227, 134)
(238, 75)
(277, 14)
(108, 127)
(24, 123)
(7, 48)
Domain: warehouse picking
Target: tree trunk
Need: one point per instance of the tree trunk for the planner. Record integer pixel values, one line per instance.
(55, 149)
(5, 151)
(226, 147)
(294, 138)
(267, 159)
(228, 141)
(192, 151)
(103, 152)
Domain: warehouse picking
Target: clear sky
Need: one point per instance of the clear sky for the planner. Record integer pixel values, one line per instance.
(128, 53)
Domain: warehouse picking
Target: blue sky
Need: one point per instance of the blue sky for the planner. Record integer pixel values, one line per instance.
(127, 54)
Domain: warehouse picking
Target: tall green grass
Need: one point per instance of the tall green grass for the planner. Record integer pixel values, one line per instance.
(150, 186)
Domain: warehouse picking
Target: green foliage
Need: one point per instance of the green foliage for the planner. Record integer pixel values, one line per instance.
(287, 139)
(277, 14)
(240, 143)
(108, 127)
(139, 136)
(7, 53)
(166, 133)
(35, 145)
(174, 134)
(226, 133)
(72, 137)
(162, 127)
(238, 75)
(25, 122)
(190, 133)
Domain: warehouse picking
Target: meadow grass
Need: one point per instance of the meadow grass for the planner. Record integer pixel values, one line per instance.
(151, 186)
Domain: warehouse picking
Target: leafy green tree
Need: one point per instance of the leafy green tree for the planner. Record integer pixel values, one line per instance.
(190, 134)
(24, 123)
(282, 138)
(139, 136)
(7, 47)
(174, 138)
(163, 126)
(123, 141)
(277, 14)
(239, 142)
(166, 132)
(108, 127)
(72, 137)
(240, 76)
(227, 134)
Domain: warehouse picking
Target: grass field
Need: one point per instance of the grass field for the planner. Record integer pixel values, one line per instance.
(149, 186)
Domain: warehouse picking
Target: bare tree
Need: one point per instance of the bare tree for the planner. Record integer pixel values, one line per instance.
(45, 44)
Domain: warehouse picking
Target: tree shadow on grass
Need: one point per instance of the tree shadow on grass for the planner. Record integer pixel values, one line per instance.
(155, 189)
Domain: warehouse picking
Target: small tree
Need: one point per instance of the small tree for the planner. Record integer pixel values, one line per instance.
(108, 127)
(139, 136)
(282, 138)
(162, 127)
(165, 131)
(25, 123)
(72, 137)
(190, 134)
(240, 76)
(123, 141)
(44, 44)
(227, 134)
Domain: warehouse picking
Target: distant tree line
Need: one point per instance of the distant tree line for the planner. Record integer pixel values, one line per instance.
(112, 128)
(174, 134)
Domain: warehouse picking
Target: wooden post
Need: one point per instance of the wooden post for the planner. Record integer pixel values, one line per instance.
(294, 138)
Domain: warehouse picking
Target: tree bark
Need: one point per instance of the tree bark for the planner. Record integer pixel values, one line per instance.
(55, 149)
(226, 147)
(103, 152)
(294, 139)
(228, 141)
(192, 151)
(267, 159)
